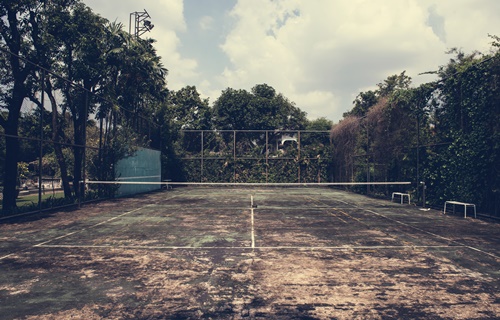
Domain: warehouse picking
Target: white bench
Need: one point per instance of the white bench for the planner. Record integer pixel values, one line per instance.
(461, 204)
(402, 195)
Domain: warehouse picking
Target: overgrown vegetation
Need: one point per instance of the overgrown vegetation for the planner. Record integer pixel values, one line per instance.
(100, 85)
(105, 95)
(444, 134)
(242, 139)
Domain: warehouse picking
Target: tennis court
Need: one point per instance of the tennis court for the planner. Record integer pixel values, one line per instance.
(249, 253)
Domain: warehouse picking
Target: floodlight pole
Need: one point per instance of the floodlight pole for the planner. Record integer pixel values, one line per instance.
(141, 23)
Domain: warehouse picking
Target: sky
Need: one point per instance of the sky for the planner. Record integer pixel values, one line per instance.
(320, 54)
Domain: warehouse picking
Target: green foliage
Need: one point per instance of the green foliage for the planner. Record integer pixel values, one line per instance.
(186, 110)
(393, 83)
(320, 124)
(445, 133)
(231, 149)
(100, 69)
(363, 102)
(242, 156)
(19, 31)
(262, 109)
(22, 170)
(467, 120)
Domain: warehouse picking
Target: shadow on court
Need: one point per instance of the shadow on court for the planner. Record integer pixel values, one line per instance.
(249, 253)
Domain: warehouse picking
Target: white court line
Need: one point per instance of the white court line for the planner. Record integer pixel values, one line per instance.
(92, 226)
(433, 234)
(340, 248)
(44, 243)
(10, 254)
(342, 201)
(143, 177)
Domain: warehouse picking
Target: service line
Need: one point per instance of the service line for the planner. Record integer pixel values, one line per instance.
(44, 243)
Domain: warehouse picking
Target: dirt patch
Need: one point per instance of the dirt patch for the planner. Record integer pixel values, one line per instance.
(161, 259)
(357, 284)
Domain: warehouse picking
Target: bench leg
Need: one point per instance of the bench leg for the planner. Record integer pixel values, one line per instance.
(475, 213)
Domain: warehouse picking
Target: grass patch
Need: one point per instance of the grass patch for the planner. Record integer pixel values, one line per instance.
(29, 203)
(33, 198)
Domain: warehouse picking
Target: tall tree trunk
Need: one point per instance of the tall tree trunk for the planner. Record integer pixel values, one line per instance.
(56, 139)
(11, 151)
(78, 152)
(11, 125)
(80, 123)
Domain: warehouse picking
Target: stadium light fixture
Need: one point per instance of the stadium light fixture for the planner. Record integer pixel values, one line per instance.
(141, 23)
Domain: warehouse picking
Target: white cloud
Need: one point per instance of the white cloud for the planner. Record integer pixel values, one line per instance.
(468, 23)
(318, 53)
(321, 52)
(168, 19)
(317, 103)
(169, 23)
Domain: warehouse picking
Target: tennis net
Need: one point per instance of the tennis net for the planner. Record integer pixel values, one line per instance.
(125, 187)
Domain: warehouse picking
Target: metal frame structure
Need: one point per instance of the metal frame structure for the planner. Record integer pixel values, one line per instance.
(266, 155)
(141, 23)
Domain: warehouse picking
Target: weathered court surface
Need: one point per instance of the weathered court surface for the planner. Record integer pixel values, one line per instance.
(249, 253)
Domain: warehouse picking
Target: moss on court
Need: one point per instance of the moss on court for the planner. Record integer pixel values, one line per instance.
(192, 253)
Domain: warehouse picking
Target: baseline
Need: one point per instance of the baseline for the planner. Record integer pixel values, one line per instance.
(337, 248)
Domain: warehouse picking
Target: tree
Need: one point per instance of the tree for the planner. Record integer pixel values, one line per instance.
(100, 58)
(345, 136)
(262, 109)
(231, 109)
(81, 35)
(89, 56)
(466, 117)
(363, 102)
(186, 110)
(316, 151)
(445, 133)
(131, 93)
(320, 124)
(393, 83)
(18, 28)
(49, 54)
(183, 110)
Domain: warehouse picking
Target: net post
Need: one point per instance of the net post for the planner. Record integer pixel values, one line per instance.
(234, 155)
(81, 187)
(202, 154)
(298, 156)
(267, 156)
